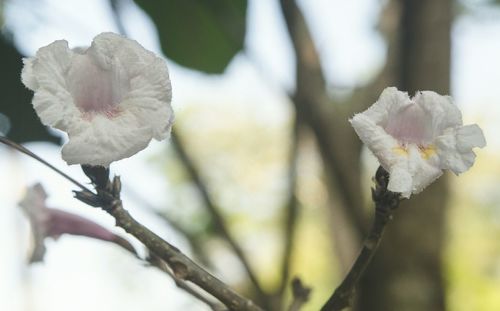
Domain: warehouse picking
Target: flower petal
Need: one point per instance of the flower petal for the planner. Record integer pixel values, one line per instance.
(50, 222)
(27, 75)
(34, 199)
(46, 75)
(441, 111)
(112, 50)
(412, 173)
(389, 103)
(376, 139)
(454, 147)
(400, 180)
(424, 171)
(62, 222)
(101, 141)
(33, 205)
(470, 136)
(149, 92)
(50, 65)
(51, 110)
(152, 113)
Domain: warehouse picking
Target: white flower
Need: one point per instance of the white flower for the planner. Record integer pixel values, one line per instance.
(416, 138)
(111, 98)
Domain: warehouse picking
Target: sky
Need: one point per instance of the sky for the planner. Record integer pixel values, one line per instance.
(255, 80)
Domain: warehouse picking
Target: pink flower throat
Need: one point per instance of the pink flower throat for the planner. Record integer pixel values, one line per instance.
(410, 126)
(96, 90)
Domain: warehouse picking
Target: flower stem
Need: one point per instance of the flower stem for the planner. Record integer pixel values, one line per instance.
(385, 203)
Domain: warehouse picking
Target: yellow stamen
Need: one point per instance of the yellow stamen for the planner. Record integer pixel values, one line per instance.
(400, 151)
(427, 152)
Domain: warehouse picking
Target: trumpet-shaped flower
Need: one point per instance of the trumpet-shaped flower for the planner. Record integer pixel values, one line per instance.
(416, 138)
(111, 98)
(50, 222)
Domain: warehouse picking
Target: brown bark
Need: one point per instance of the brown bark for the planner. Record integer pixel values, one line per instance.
(337, 143)
(406, 273)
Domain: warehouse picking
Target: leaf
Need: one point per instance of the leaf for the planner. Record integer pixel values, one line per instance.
(200, 34)
(15, 100)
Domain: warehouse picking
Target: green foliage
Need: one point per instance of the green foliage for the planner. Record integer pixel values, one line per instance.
(203, 35)
(15, 99)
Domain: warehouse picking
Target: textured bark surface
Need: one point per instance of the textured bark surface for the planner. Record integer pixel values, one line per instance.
(406, 273)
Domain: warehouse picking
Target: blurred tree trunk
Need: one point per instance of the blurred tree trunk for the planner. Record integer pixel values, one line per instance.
(406, 273)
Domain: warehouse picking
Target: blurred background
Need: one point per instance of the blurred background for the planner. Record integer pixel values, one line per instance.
(263, 178)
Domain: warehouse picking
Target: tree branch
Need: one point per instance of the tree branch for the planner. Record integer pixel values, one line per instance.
(158, 263)
(193, 239)
(220, 224)
(155, 261)
(313, 104)
(183, 268)
(108, 198)
(385, 204)
(291, 210)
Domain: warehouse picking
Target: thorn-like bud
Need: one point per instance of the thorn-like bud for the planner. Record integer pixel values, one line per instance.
(382, 178)
(88, 198)
(117, 187)
(126, 245)
(299, 290)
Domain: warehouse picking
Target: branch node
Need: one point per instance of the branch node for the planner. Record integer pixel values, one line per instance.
(88, 198)
(299, 290)
(301, 294)
(181, 271)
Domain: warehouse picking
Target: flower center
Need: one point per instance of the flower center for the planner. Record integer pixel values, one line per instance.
(96, 90)
(425, 152)
(410, 126)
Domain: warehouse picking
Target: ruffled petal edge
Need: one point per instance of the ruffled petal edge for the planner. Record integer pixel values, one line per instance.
(454, 147)
(101, 141)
